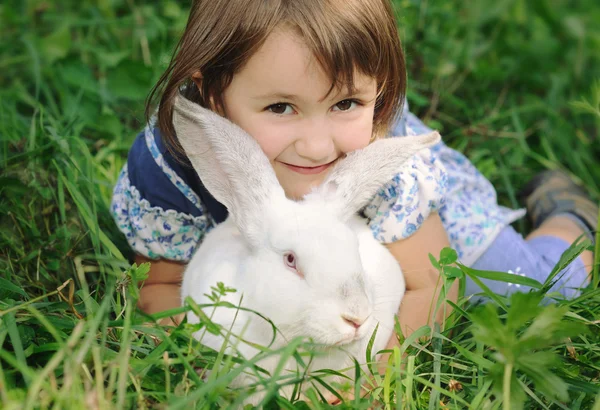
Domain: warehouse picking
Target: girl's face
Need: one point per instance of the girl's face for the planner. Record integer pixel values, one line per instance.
(279, 98)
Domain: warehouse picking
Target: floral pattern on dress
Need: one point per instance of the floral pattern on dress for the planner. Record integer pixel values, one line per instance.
(444, 181)
(152, 231)
(401, 206)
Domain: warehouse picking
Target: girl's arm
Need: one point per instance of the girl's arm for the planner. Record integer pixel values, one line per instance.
(422, 287)
(162, 289)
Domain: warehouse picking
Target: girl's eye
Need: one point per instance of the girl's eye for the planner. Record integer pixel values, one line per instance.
(289, 259)
(280, 108)
(345, 105)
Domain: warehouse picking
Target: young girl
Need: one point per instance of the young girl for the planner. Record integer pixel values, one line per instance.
(312, 80)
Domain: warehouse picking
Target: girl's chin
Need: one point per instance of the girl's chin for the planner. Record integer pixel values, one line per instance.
(296, 194)
(296, 191)
(296, 185)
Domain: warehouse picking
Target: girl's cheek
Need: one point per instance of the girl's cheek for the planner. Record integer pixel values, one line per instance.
(356, 137)
(272, 142)
(357, 132)
(271, 147)
(268, 137)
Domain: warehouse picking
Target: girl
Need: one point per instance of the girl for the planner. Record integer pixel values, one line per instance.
(312, 80)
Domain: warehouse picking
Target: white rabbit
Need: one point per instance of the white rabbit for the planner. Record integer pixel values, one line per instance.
(312, 266)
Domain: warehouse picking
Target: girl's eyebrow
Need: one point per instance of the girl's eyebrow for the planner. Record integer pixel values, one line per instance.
(292, 97)
(277, 96)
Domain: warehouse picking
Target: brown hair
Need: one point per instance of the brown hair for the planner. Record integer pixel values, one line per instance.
(344, 36)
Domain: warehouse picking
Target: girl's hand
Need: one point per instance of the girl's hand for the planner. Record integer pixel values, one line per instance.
(162, 289)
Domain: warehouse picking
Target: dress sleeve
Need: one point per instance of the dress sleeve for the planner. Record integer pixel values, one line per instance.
(402, 205)
(154, 206)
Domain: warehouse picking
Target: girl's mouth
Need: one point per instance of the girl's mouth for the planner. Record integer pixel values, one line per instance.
(309, 170)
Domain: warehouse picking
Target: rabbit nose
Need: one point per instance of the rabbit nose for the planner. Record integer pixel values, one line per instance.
(353, 321)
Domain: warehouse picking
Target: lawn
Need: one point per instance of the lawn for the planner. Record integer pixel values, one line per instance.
(514, 84)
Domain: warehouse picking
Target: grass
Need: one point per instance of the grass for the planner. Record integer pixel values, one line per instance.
(513, 84)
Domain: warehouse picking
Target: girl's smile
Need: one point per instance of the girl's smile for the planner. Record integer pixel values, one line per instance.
(310, 170)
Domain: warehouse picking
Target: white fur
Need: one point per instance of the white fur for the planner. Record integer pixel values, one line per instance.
(346, 271)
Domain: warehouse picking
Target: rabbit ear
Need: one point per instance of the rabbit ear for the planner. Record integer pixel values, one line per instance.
(230, 163)
(358, 177)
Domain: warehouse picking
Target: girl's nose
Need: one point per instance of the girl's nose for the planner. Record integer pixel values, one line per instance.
(315, 141)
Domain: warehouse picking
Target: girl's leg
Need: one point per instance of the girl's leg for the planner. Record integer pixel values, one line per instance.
(561, 212)
(534, 258)
(567, 229)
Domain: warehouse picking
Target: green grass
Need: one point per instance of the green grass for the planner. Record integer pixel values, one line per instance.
(513, 84)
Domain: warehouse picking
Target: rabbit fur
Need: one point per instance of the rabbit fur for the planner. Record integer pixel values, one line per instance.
(343, 278)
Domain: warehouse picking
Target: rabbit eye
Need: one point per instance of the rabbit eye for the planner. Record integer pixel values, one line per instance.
(289, 258)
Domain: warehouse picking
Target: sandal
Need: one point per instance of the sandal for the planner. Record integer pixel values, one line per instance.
(551, 193)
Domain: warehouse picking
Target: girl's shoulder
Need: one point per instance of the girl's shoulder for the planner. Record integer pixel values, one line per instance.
(159, 202)
(168, 181)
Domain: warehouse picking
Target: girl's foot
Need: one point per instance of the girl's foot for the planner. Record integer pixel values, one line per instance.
(552, 193)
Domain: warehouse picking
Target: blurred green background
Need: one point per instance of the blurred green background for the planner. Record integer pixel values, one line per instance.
(514, 84)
